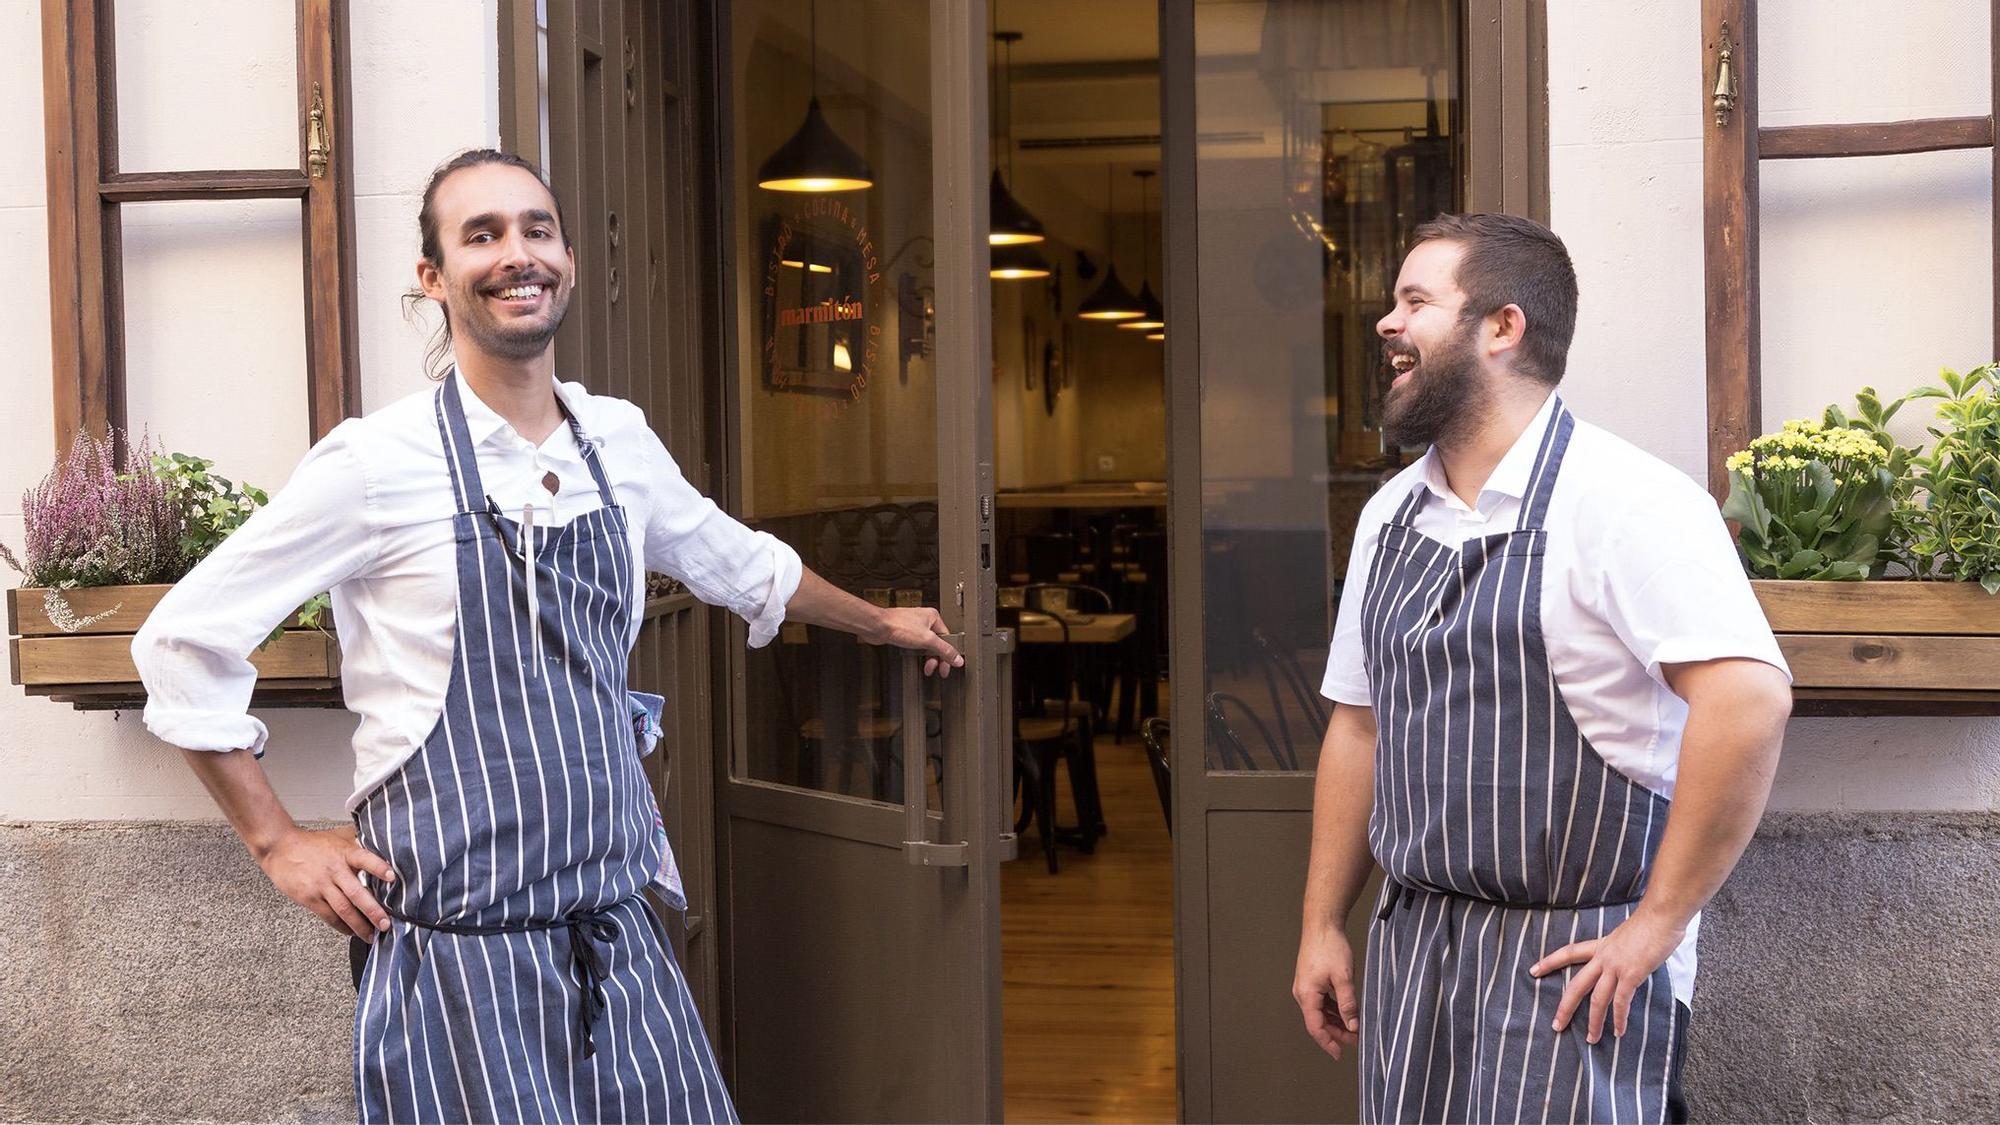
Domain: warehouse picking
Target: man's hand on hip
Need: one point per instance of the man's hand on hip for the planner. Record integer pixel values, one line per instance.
(316, 870)
(1323, 985)
(1614, 966)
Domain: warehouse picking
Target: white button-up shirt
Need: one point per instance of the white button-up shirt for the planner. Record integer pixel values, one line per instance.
(1639, 572)
(368, 516)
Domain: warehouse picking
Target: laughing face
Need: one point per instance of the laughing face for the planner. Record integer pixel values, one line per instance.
(1437, 391)
(507, 272)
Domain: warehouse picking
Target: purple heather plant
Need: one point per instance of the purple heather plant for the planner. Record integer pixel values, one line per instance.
(90, 525)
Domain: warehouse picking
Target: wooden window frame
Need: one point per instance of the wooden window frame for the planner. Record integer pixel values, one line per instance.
(86, 189)
(1733, 145)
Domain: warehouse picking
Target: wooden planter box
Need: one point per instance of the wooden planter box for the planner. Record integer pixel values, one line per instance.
(1887, 647)
(92, 668)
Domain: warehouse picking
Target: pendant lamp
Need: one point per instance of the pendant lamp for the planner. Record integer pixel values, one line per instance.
(815, 158)
(1009, 223)
(1111, 300)
(1155, 317)
(1017, 261)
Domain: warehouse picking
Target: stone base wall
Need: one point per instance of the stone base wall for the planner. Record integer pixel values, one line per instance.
(1848, 973)
(148, 972)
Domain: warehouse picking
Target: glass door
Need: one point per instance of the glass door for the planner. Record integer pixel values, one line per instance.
(860, 811)
(1304, 142)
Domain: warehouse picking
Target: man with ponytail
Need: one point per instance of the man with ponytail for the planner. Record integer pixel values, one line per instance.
(486, 544)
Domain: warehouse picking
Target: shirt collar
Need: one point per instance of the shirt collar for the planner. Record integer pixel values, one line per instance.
(1510, 476)
(483, 423)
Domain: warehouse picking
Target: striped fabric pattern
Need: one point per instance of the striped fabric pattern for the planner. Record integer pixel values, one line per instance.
(1503, 835)
(526, 805)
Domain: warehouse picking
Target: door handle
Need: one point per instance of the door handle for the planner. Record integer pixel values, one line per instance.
(918, 845)
(1003, 650)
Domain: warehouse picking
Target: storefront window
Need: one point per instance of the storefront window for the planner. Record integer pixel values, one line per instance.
(1327, 132)
(835, 428)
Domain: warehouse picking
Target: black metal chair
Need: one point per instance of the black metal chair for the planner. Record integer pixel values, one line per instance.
(1235, 754)
(1154, 733)
(1280, 667)
(839, 727)
(1045, 735)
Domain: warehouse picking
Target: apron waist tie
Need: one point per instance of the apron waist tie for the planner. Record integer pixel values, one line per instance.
(1402, 894)
(591, 933)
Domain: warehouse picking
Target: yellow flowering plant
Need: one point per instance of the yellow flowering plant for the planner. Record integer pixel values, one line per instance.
(1816, 500)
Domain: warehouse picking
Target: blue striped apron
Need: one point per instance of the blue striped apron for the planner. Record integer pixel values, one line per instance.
(1503, 835)
(525, 977)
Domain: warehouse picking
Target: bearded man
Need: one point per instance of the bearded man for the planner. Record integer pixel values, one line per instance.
(1558, 708)
(486, 544)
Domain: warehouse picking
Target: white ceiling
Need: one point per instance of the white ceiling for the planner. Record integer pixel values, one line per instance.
(1071, 103)
(1073, 31)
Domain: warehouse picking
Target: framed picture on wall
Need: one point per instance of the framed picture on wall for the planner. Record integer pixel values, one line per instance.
(1031, 354)
(1050, 386)
(814, 317)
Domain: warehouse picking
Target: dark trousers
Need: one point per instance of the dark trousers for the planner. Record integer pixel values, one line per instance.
(1677, 1107)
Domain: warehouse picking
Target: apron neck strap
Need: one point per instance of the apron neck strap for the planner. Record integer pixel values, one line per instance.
(587, 446)
(1548, 461)
(1541, 479)
(467, 489)
(460, 457)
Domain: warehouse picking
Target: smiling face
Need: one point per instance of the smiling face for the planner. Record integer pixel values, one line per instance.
(504, 272)
(1440, 388)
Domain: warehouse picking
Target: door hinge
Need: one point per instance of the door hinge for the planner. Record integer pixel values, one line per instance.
(318, 150)
(1727, 87)
(924, 853)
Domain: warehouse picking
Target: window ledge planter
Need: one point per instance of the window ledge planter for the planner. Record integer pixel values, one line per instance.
(91, 667)
(1887, 647)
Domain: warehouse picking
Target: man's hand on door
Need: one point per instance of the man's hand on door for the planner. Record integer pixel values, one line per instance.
(921, 629)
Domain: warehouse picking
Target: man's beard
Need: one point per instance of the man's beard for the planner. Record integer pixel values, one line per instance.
(1442, 400)
(515, 338)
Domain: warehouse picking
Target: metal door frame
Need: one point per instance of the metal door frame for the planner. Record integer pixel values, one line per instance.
(973, 811)
(1505, 57)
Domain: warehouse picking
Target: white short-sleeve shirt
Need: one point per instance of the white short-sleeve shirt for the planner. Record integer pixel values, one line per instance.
(1639, 572)
(367, 515)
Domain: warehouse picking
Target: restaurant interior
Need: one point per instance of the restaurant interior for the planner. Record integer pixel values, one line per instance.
(836, 417)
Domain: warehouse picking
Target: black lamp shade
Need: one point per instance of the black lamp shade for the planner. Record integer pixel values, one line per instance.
(1111, 300)
(1154, 318)
(1017, 261)
(815, 159)
(1011, 223)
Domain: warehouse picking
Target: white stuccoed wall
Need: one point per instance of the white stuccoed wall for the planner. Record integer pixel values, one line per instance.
(1874, 272)
(214, 311)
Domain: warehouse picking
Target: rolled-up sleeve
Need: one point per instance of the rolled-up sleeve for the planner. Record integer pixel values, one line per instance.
(193, 652)
(751, 573)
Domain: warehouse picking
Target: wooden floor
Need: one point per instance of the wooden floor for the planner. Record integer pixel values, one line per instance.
(1087, 959)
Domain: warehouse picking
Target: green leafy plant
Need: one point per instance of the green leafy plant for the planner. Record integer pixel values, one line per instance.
(1947, 518)
(1812, 501)
(1952, 519)
(212, 505)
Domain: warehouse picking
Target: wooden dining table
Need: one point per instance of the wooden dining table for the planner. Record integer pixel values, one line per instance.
(1038, 628)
